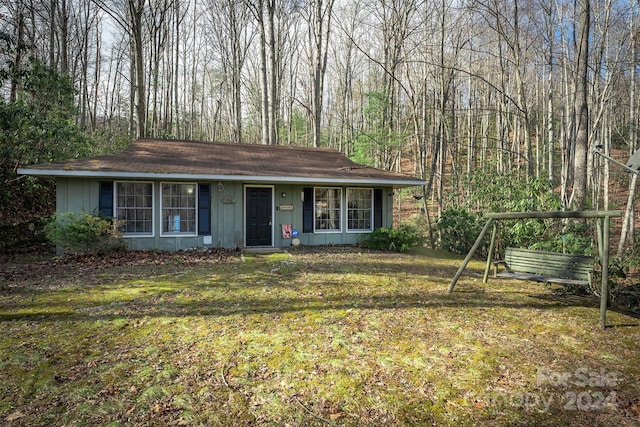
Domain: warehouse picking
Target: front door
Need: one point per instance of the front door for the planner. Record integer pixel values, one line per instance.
(259, 221)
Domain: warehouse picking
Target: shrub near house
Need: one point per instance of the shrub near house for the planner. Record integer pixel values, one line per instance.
(84, 232)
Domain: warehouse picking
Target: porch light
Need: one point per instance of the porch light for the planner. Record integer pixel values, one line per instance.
(220, 187)
(283, 195)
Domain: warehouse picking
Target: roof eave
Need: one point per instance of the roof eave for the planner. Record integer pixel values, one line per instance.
(54, 173)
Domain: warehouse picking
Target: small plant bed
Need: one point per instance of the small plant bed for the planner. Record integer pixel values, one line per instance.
(309, 337)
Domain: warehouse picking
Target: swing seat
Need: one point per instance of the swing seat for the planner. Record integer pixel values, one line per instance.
(547, 267)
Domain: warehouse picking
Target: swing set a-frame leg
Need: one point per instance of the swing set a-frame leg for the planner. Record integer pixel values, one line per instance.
(492, 248)
(473, 250)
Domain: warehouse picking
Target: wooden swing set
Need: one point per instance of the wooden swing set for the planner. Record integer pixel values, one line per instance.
(545, 266)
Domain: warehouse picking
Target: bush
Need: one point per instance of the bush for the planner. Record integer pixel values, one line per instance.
(458, 230)
(399, 239)
(83, 233)
(491, 192)
(567, 236)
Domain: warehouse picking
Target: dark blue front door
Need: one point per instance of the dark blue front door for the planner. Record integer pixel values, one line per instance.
(259, 220)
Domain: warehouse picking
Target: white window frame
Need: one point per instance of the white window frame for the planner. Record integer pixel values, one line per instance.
(195, 211)
(371, 220)
(341, 211)
(153, 204)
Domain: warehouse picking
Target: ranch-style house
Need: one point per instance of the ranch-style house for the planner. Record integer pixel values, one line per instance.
(172, 195)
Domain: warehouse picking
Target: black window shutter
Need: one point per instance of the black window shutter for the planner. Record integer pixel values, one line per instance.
(204, 209)
(307, 210)
(105, 199)
(377, 208)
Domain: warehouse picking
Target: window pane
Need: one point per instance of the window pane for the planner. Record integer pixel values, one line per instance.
(178, 208)
(359, 209)
(134, 206)
(328, 208)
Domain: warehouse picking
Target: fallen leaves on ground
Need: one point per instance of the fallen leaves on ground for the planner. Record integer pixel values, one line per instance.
(38, 265)
(311, 336)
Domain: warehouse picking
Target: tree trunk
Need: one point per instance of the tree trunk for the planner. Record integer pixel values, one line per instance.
(136, 8)
(63, 19)
(319, 30)
(627, 224)
(236, 72)
(52, 33)
(13, 93)
(578, 197)
(272, 105)
(264, 104)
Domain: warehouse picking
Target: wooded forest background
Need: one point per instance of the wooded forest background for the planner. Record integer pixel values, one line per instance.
(474, 96)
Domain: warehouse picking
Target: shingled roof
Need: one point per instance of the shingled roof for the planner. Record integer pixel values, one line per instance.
(195, 160)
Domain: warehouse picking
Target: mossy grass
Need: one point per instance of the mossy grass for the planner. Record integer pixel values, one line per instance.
(329, 336)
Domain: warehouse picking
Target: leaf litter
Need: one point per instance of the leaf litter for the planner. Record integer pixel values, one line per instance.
(319, 336)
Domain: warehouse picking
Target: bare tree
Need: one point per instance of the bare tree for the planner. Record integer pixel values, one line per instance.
(231, 35)
(129, 17)
(626, 233)
(578, 197)
(263, 12)
(318, 16)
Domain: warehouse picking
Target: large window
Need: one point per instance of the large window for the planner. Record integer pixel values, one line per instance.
(327, 209)
(179, 208)
(359, 209)
(134, 207)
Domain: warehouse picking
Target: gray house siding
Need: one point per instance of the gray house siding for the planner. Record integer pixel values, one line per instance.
(227, 216)
(74, 195)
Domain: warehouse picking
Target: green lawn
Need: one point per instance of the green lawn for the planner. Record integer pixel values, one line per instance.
(314, 337)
